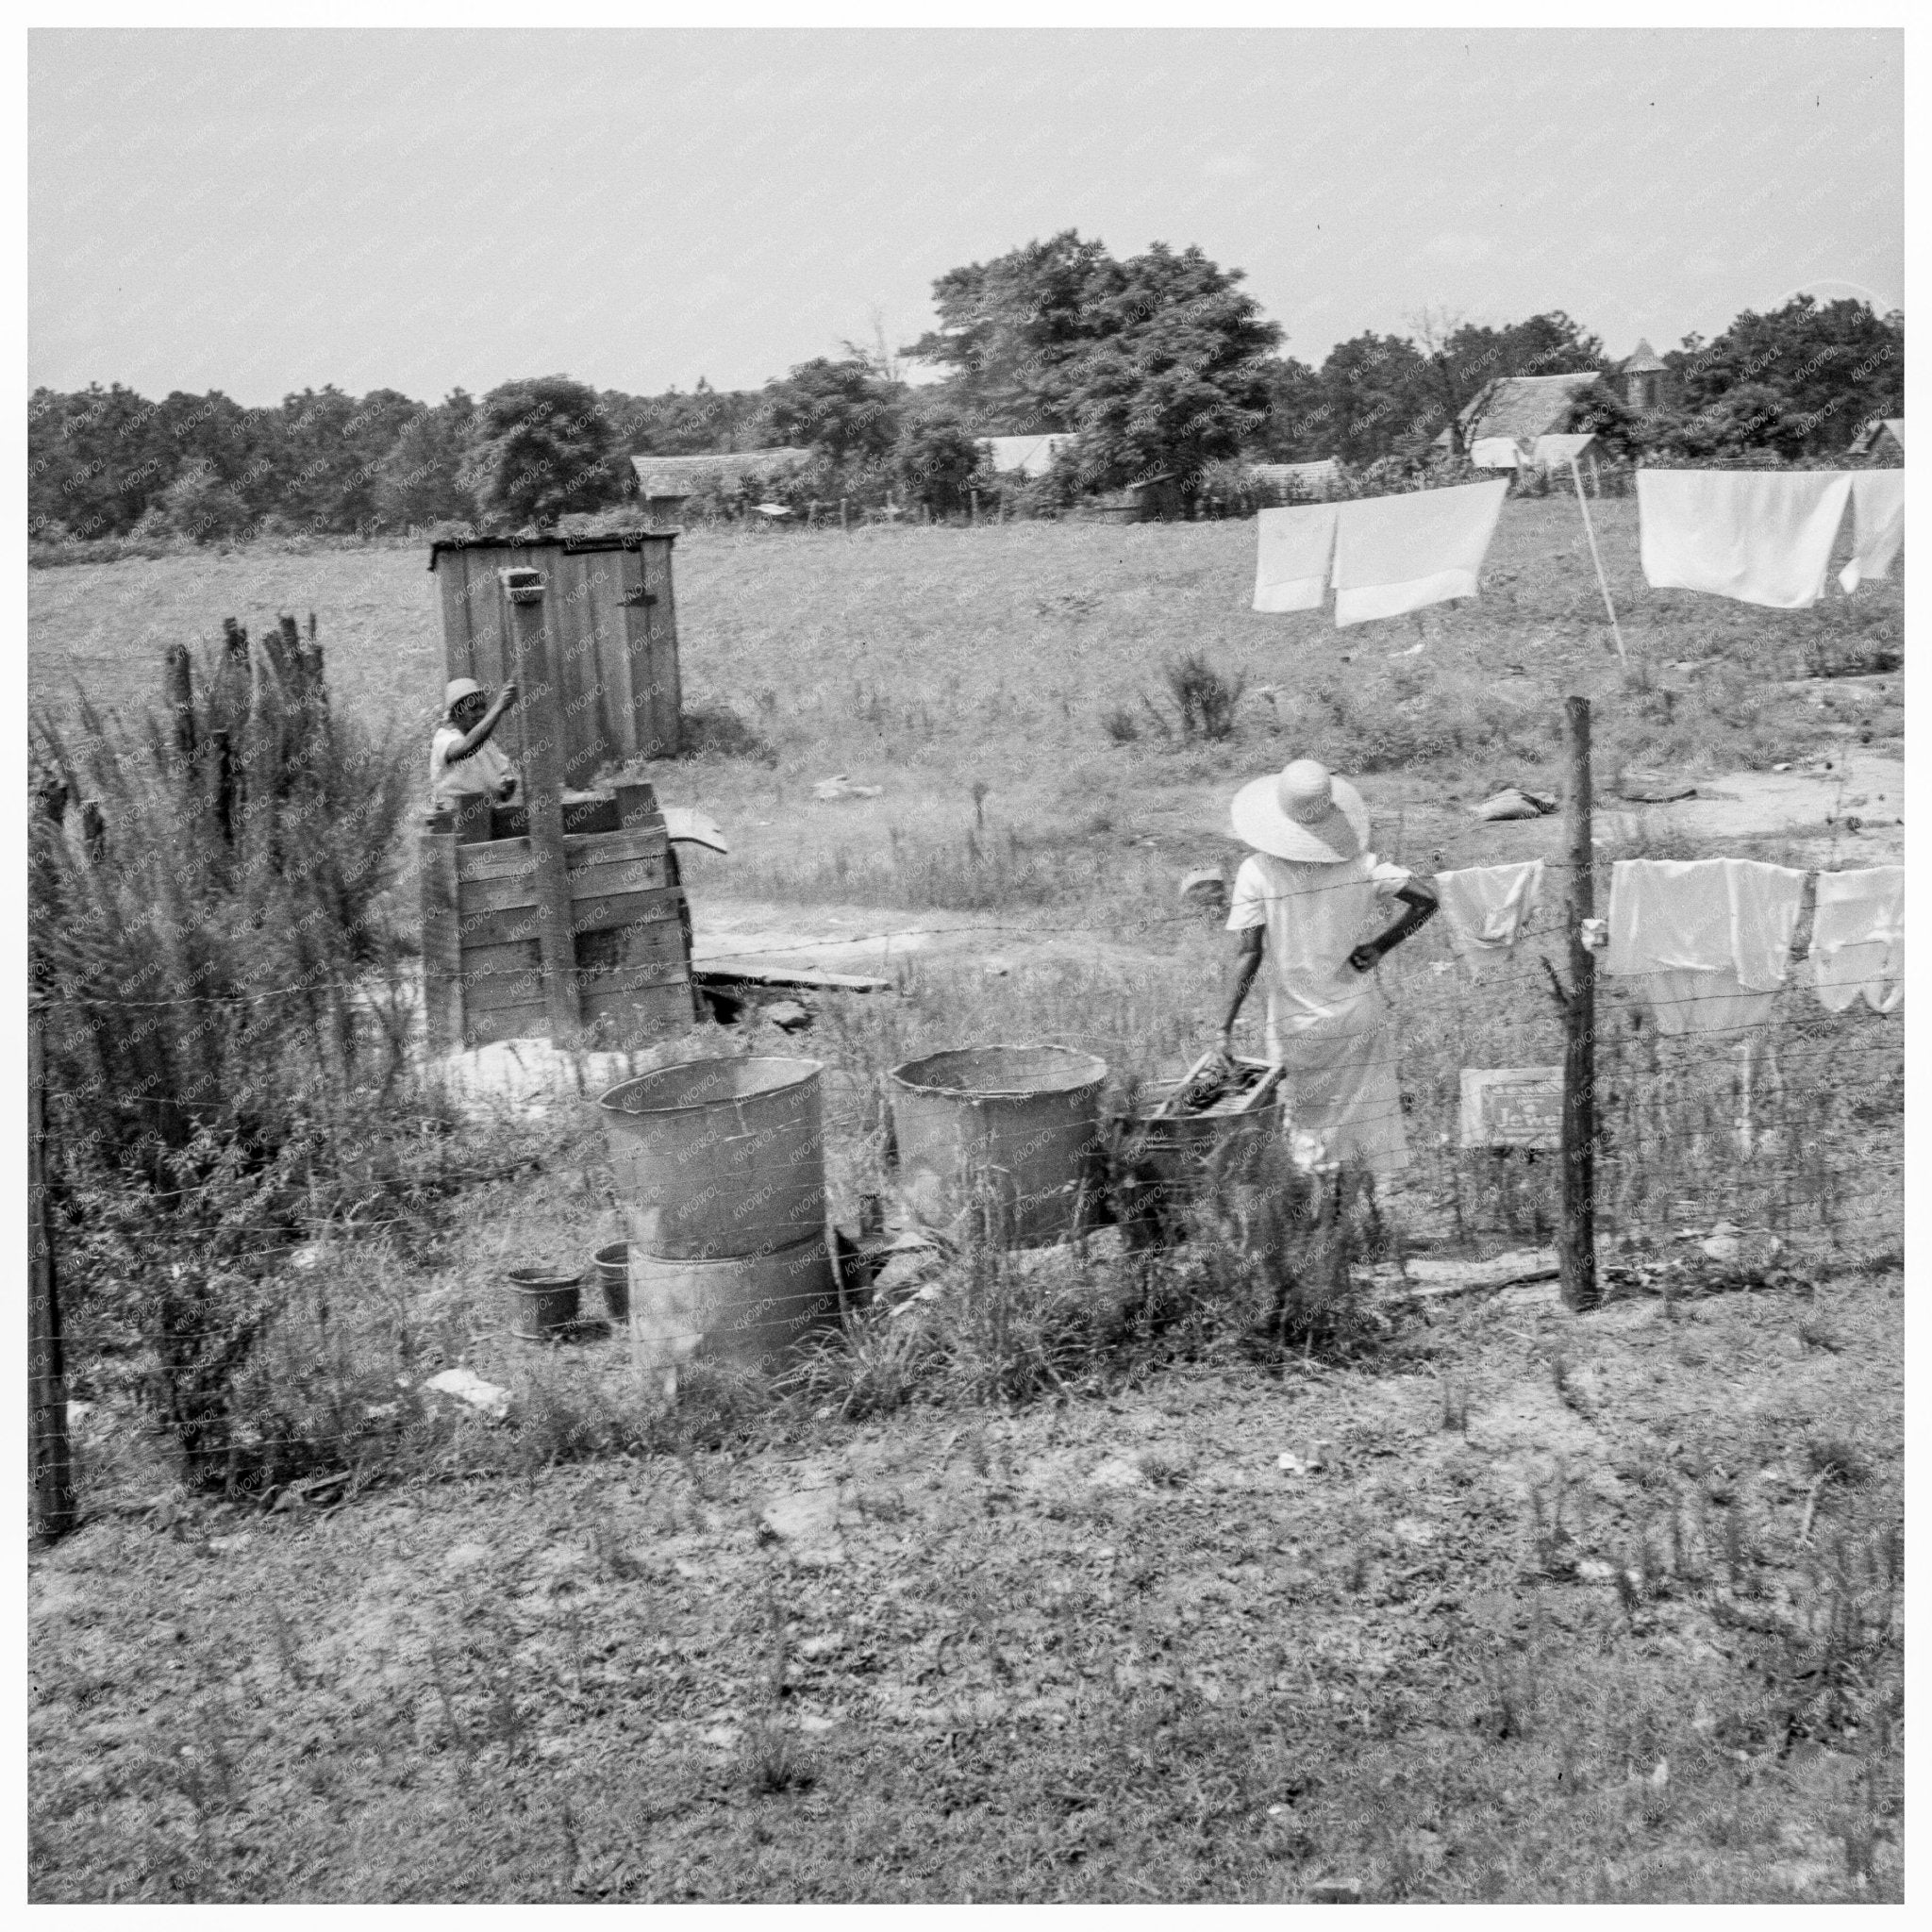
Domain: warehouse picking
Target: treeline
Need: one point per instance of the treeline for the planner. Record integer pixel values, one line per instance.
(1161, 363)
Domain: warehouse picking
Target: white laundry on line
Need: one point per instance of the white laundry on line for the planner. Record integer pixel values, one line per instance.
(1878, 525)
(1707, 940)
(1759, 536)
(1857, 938)
(1399, 553)
(1549, 451)
(1485, 905)
(1495, 453)
(1293, 549)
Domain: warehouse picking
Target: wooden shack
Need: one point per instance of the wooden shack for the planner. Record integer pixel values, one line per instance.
(1152, 499)
(562, 916)
(610, 626)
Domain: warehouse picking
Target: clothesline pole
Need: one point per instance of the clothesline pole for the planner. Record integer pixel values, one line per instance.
(1576, 1248)
(1601, 582)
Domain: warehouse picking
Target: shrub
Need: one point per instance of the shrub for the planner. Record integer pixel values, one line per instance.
(1205, 699)
(203, 940)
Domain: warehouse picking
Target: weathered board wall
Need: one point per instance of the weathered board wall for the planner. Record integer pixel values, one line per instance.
(482, 958)
(610, 633)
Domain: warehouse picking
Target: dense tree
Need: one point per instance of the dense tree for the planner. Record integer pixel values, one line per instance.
(1179, 375)
(1160, 362)
(538, 449)
(419, 481)
(841, 409)
(936, 457)
(1296, 428)
(1010, 330)
(1373, 392)
(1822, 372)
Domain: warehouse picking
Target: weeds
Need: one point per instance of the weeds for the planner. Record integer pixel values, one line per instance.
(1204, 698)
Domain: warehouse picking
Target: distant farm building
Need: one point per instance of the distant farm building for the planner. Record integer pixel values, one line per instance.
(1885, 438)
(1152, 499)
(1284, 481)
(666, 482)
(1025, 456)
(1643, 378)
(1519, 408)
(1532, 452)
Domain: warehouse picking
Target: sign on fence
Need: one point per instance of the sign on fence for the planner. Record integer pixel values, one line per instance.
(1513, 1107)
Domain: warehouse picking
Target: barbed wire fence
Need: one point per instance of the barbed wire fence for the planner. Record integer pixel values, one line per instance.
(1786, 1132)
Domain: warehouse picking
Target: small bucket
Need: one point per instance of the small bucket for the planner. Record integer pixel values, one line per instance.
(543, 1304)
(613, 1276)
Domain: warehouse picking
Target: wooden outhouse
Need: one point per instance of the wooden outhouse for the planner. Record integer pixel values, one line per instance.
(611, 625)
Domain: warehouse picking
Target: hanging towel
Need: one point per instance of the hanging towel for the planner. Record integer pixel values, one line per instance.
(1707, 940)
(1878, 525)
(1759, 536)
(1291, 565)
(1494, 453)
(1857, 938)
(1554, 451)
(1398, 553)
(1485, 905)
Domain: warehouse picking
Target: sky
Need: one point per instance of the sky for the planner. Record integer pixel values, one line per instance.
(264, 211)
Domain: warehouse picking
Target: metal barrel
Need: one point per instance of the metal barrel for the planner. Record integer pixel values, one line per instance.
(746, 1309)
(719, 1157)
(1000, 1142)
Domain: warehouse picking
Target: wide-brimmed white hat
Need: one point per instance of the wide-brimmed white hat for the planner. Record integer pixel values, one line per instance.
(1305, 812)
(457, 688)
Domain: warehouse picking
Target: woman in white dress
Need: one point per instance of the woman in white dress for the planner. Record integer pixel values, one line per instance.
(1306, 906)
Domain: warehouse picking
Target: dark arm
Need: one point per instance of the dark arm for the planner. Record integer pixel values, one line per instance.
(1242, 965)
(1419, 899)
(479, 734)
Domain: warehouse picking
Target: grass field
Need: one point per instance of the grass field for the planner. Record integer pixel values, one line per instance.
(1551, 1608)
(935, 662)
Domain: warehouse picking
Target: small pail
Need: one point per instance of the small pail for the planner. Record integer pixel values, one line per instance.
(543, 1302)
(613, 1276)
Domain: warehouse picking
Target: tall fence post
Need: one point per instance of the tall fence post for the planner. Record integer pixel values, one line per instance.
(543, 784)
(1577, 1251)
(48, 1458)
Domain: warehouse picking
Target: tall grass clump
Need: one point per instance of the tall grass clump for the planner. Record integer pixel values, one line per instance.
(1204, 698)
(211, 946)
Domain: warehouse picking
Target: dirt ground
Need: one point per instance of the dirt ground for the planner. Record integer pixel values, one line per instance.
(1517, 1610)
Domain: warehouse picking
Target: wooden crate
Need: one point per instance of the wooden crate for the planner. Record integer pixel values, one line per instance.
(482, 965)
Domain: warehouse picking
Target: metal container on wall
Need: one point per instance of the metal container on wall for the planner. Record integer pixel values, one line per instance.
(1001, 1143)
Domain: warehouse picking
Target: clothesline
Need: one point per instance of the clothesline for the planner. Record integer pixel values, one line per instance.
(1761, 537)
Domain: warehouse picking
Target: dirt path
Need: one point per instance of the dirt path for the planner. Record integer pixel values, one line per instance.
(1111, 1649)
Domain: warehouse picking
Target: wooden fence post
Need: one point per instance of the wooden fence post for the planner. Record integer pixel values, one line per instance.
(543, 779)
(49, 1461)
(1576, 1250)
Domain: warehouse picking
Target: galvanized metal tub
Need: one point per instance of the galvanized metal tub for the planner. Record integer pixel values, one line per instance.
(719, 1157)
(1182, 1157)
(745, 1309)
(1000, 1142)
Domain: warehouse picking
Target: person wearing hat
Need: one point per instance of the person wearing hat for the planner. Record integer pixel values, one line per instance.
(1307, 904)
(463, 760)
